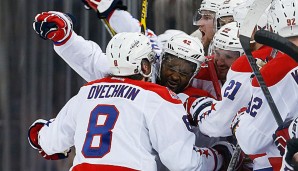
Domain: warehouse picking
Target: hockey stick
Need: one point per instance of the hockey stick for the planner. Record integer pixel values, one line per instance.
(108, 27)
(104, 21)
(214, 78)
(144, 16)
(256, 10)
(277, 42)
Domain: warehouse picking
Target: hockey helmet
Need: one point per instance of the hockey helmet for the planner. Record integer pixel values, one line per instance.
(186, 47)
(226, 38)
(284, 18)
(125, 52)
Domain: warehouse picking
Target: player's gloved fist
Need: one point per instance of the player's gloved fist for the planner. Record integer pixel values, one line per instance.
(226, 149)
(56, 156)
(104, 7)
(53, 25)
(236, 120)
(33, 133)
(291, 150)
(33, 141)
(194, 106)
(281, 136)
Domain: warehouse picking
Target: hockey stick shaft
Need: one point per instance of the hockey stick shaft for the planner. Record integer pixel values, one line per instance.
(144, 16)
(214, 78)
(277, 42)
(108, 27)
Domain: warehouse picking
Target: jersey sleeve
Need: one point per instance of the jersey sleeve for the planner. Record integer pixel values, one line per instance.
(58, 135)
(85, 57)
(171, 138)
(122, 21)
(214, 120)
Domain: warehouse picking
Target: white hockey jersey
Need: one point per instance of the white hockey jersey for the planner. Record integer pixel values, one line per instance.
(215, 120)
(257, 125)
(124, 124)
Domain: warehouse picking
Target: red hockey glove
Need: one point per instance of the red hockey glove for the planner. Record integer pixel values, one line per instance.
(281, 136)
(33, 141)
(194, 106)
(54, 25)
(104, 8)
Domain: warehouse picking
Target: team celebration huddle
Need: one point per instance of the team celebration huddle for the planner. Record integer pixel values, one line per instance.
(223, 98)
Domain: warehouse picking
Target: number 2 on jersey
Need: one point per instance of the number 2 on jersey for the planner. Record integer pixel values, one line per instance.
(232, 89)
(99, 135)
(253, 106)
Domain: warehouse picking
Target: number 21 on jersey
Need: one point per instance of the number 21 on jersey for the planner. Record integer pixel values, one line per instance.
(232, 89)
(99, 133)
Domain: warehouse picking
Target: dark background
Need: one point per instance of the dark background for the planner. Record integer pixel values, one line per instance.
(36, 83)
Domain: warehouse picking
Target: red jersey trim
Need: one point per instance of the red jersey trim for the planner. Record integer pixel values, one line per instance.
(275, 70)
(242, 64)
(254, 156)
(97, 167)
(276, 163)
(162, 91)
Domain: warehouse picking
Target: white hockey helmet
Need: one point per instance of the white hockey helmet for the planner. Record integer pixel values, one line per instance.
(206, 5)
(168, 34)
(226, 38)
(125, 52)
(284, 17)
(186, 47)
(227, 8)
(240, 12)
(210, 5)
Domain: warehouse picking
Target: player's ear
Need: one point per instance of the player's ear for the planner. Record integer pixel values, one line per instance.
(146, 66)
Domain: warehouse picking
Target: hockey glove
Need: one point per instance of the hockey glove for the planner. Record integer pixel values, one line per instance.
(33, 141)
(194, 106)
(292, 148)
(227, 149)
(104, 8)
(54, 25)
(281, 136)
(236, 120)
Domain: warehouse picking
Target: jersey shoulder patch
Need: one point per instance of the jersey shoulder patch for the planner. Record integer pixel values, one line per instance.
(276, 69)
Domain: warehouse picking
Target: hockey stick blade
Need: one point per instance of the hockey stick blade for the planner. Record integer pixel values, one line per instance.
(277, 42)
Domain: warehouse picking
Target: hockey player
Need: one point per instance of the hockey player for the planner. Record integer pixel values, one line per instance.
(224, 14)
(257, 124)
(227, 49)
(204, 18)
(216, 116)
(88, 60)
(122, 122)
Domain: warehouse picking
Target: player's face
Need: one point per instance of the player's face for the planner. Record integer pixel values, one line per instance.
(206, 26)
(176, 73)
(223, 60)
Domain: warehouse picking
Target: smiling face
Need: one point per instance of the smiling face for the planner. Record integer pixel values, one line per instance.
(223, 60)
(206, 26)
(176, 73)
